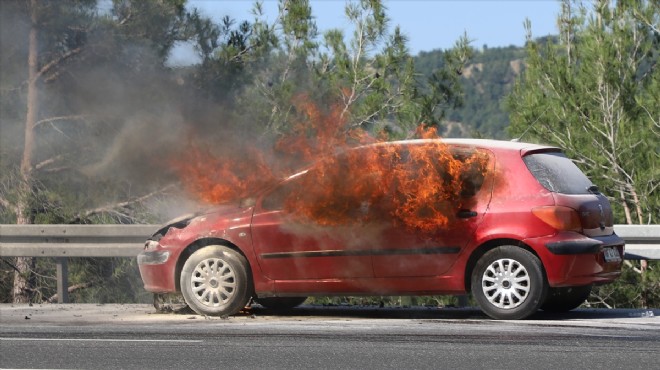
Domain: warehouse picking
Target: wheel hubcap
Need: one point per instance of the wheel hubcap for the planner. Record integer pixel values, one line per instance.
(506, 283)
(213, 282)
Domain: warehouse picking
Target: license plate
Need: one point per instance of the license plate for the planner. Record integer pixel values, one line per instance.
(611, 255)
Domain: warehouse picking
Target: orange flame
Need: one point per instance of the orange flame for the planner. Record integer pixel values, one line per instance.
(418, 186)
(222, 178)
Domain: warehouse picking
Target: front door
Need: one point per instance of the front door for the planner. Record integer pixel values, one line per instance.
(290, 249)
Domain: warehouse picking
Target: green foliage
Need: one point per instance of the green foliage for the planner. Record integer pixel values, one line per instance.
(485, 81)
(156, 24)
(633, 289)
(90, 67)
(110, 280)
(298, 28)
(42, 278)
(370, 76)
(595, 94)
(94, 280)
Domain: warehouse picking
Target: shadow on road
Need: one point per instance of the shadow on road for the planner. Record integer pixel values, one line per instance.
(594, 313)
(449, 313)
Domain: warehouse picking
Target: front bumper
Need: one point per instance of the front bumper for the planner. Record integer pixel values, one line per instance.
(157, 268)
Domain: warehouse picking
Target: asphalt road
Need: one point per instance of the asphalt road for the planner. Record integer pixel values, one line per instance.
(136, 337)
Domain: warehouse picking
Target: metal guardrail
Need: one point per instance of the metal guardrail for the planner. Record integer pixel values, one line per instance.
(63, 241)
(642, 241)
(73, 240)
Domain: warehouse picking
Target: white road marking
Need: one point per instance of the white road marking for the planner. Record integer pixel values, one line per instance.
(102, 340)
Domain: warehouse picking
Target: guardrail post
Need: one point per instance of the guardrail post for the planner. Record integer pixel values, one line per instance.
(62, 279)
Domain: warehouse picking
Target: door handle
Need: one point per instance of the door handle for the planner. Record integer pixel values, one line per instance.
(466, 213)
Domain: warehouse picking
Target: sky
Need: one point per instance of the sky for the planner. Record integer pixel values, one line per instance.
(429, 24)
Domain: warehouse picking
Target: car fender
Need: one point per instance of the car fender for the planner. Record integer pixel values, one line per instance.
(233, 229)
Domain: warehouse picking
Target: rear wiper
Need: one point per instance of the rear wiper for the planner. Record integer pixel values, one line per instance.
(593, 189)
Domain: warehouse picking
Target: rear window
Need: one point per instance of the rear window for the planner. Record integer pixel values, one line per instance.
(557, 173)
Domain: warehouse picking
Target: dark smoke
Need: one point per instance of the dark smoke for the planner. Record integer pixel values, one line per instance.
(127, 115)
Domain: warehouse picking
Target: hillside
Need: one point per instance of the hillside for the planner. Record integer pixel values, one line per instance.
(486, 81)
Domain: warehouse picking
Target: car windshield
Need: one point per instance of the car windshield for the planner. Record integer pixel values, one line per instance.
(558, 173)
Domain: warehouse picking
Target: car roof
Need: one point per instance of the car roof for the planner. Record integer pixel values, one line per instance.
(521, 147)
(502, 145)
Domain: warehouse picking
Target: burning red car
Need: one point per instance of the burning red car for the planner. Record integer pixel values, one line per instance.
(517, 225)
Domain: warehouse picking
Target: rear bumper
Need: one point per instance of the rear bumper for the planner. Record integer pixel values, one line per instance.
(584, 245)
(572, 259)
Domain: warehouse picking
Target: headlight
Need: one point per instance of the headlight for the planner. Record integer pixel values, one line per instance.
(153, 258)
(150, 245)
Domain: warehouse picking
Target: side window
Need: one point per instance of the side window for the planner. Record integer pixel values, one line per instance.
(475, 167)
(335, 186)
(353, 182)
(469, 164)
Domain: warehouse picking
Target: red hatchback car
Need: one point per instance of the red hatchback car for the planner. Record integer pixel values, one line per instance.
(517, 225)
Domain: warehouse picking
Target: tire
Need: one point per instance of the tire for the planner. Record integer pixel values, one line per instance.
(215, 281)
(281, 303)
(508, 283)
(565, 299)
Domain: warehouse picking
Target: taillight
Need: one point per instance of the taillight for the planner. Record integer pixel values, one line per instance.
(560, 218)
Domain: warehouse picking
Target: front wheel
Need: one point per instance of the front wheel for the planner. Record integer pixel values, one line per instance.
(508, 283)
(215, 281)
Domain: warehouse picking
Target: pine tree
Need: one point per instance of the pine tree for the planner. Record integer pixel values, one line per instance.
(595, 94)
(60, 57)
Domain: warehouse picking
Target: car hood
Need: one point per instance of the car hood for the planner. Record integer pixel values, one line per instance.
(218, 221)
(230, 213)
(213, 218)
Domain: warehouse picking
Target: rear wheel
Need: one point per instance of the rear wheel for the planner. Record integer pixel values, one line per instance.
(565, 299)
(215, 281)
(281, 303)
(508, 283)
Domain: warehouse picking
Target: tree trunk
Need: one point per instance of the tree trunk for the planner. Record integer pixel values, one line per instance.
(22, 277)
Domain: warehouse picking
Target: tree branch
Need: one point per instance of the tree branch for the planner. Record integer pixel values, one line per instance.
(112, 208)
(70, 289)
(60, 118)
(48, 161)
(45, 69)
